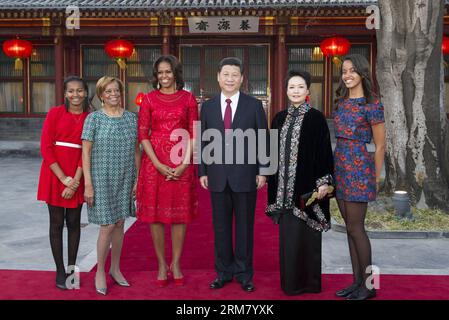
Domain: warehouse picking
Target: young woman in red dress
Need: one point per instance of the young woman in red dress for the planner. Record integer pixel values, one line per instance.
(166, 187)
(60, 181)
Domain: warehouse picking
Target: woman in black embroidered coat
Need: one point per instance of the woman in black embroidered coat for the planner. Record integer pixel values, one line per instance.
(305, 165)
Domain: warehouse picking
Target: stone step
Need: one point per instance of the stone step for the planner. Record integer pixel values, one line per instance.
(19, 148)
(21, 129)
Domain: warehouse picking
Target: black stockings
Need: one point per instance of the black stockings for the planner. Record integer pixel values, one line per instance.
(359, 245)
(72, 219)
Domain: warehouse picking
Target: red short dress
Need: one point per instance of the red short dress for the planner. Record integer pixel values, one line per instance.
(61, 143)
(160, 201)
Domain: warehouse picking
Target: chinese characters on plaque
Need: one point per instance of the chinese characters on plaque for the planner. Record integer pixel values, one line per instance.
(223, 24)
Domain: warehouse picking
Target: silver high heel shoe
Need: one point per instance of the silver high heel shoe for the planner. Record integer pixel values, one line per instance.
(102, 291)
(122, 283)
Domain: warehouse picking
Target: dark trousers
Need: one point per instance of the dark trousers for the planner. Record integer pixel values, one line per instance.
(236, 263)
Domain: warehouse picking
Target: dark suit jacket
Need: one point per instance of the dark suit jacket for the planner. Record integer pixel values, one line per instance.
(249, 115)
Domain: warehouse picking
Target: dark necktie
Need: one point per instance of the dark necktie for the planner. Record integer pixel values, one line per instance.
(228, 115)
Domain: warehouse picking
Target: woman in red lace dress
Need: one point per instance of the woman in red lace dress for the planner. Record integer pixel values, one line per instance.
(166, 188)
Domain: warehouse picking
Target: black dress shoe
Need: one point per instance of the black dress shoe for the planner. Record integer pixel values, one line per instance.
(248, 286)
(362, 294)
(218, 283)
(347, 291)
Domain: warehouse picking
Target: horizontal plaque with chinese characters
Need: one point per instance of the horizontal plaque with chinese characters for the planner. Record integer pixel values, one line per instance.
(223, 24)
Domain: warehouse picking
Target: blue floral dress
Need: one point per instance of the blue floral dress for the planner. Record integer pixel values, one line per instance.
(355, 175)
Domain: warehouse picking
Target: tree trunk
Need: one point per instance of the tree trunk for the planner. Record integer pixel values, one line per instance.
(409, 74)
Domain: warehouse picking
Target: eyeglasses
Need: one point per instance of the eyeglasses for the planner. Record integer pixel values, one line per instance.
(109, 92)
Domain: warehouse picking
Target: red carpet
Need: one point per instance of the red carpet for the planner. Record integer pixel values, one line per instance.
(139, 266)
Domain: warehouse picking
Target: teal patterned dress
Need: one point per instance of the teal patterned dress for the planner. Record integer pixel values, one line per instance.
(113, 167)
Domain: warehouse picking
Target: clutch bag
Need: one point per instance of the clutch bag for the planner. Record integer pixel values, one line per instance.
(311, 197)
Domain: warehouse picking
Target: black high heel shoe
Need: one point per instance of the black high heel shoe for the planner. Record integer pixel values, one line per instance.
(60, 282)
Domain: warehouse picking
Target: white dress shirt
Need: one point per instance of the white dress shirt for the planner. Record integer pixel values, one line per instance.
(234, 103)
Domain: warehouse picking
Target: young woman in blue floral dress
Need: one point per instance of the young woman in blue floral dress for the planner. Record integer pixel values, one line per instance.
(358, 118)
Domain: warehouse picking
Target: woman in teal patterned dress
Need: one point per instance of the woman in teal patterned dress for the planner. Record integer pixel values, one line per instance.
(111, 160)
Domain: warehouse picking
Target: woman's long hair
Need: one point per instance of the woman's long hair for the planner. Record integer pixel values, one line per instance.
(362, 68)
(86, 104)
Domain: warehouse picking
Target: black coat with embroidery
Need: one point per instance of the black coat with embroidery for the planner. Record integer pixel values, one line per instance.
(315, 160)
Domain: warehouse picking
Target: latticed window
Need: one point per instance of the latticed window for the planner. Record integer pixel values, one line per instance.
(42, 79)
(96, 64)
(137, 76)
(12, 99)
(200, 68)
(257, 71)
(139, 73)
(191, 65)
(310, 59)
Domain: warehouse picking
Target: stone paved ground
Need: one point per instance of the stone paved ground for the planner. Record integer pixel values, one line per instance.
(24, 241)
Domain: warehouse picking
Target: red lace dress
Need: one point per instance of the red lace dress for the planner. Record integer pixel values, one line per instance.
(159, 200)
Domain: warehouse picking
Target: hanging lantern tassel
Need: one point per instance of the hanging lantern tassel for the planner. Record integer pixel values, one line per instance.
(120, 50)
(18, 64)
(337, 61)
(121, 63)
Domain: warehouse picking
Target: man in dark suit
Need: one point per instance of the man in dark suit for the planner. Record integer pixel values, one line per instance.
(233, 183)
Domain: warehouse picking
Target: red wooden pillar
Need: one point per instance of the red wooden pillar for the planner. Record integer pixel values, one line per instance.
(166, 40)
(72, 53)
(328, 82)
(59, 70)
(280, 69)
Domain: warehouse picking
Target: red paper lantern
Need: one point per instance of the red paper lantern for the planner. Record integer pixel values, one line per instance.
(445, 45)
(18, 49)
(139, 98)
(335, 46)
(119, 50)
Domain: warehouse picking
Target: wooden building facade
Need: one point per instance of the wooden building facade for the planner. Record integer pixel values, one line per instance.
(287, 35)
